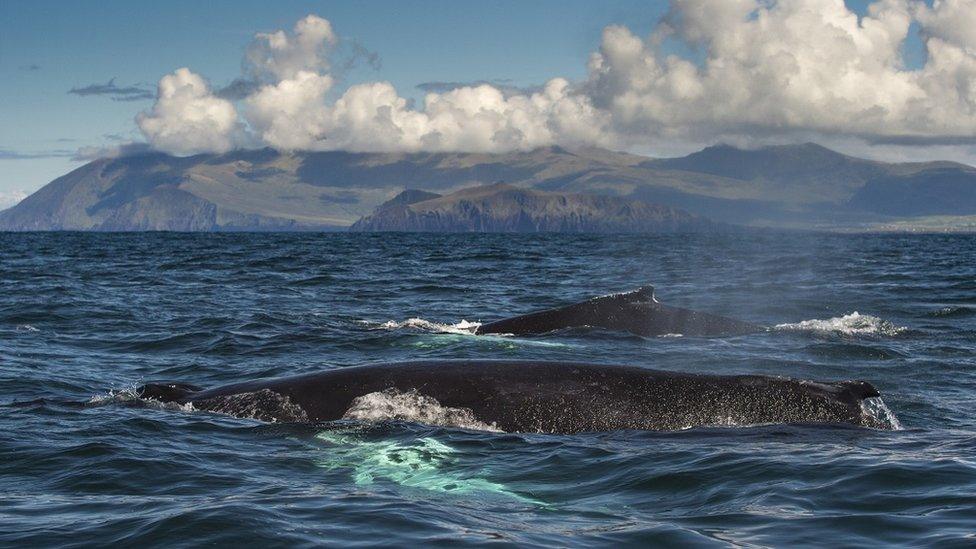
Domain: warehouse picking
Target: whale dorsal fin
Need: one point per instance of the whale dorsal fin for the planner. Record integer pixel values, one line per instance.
(645, 293)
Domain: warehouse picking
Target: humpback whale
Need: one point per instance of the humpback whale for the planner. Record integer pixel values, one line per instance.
(638, 312)
(533, 397)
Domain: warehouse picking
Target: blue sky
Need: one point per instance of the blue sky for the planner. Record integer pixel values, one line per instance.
(49, 48)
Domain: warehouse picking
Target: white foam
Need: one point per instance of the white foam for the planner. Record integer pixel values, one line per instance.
(114, 396)
(413, 406)
(27, 328)
(461, 328)
(851, 324)
(124, 396)
(876, 409)
(718, 421)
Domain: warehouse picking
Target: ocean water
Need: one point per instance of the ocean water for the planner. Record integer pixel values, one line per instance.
(85, 318)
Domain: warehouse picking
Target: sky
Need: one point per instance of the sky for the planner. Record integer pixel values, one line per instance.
(891, 79)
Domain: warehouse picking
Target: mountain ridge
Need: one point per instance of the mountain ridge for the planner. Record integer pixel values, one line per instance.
(793, 186)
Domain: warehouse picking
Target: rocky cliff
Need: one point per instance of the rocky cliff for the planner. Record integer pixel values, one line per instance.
(505, 208)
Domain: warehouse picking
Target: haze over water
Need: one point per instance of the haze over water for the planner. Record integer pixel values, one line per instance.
(85, 318)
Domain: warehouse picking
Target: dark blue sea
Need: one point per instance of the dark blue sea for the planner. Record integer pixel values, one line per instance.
(86, 318)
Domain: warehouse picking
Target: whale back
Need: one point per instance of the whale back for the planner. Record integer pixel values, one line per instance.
(547, 397)
(166, 391)
(638, 312)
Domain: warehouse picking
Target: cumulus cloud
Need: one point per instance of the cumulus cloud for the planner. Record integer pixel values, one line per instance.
(279, 55)
(290, 114)
(373, 117)
(952, 21)
(188, 118)
(768, 70)
(803, 65)
(287, 107)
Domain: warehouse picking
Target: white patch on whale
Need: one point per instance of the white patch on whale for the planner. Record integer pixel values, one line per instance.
(413, 406)
(852, 324)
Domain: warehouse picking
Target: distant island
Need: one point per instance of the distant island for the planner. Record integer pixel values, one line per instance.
(795, 186)
(503, 208)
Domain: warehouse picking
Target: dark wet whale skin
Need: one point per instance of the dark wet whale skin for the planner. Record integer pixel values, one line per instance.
(637, 312)
(552, 397)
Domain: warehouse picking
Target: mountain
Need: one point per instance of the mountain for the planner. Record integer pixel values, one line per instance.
(506, 208)
(269, 190)
(789, 186)
(934, 191)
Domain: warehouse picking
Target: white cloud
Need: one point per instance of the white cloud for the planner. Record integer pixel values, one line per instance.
(291, 114)
(770, 71)
(278, 55)
(797, 66)
(188, 118)
(11, 198)
(373, 117)
(952, 21)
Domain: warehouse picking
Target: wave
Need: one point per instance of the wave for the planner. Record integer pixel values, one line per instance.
(413, 406)
(953, 312)
(851, 324)
(461, 328)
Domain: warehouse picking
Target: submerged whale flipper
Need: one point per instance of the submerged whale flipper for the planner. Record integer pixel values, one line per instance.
(638, 312)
